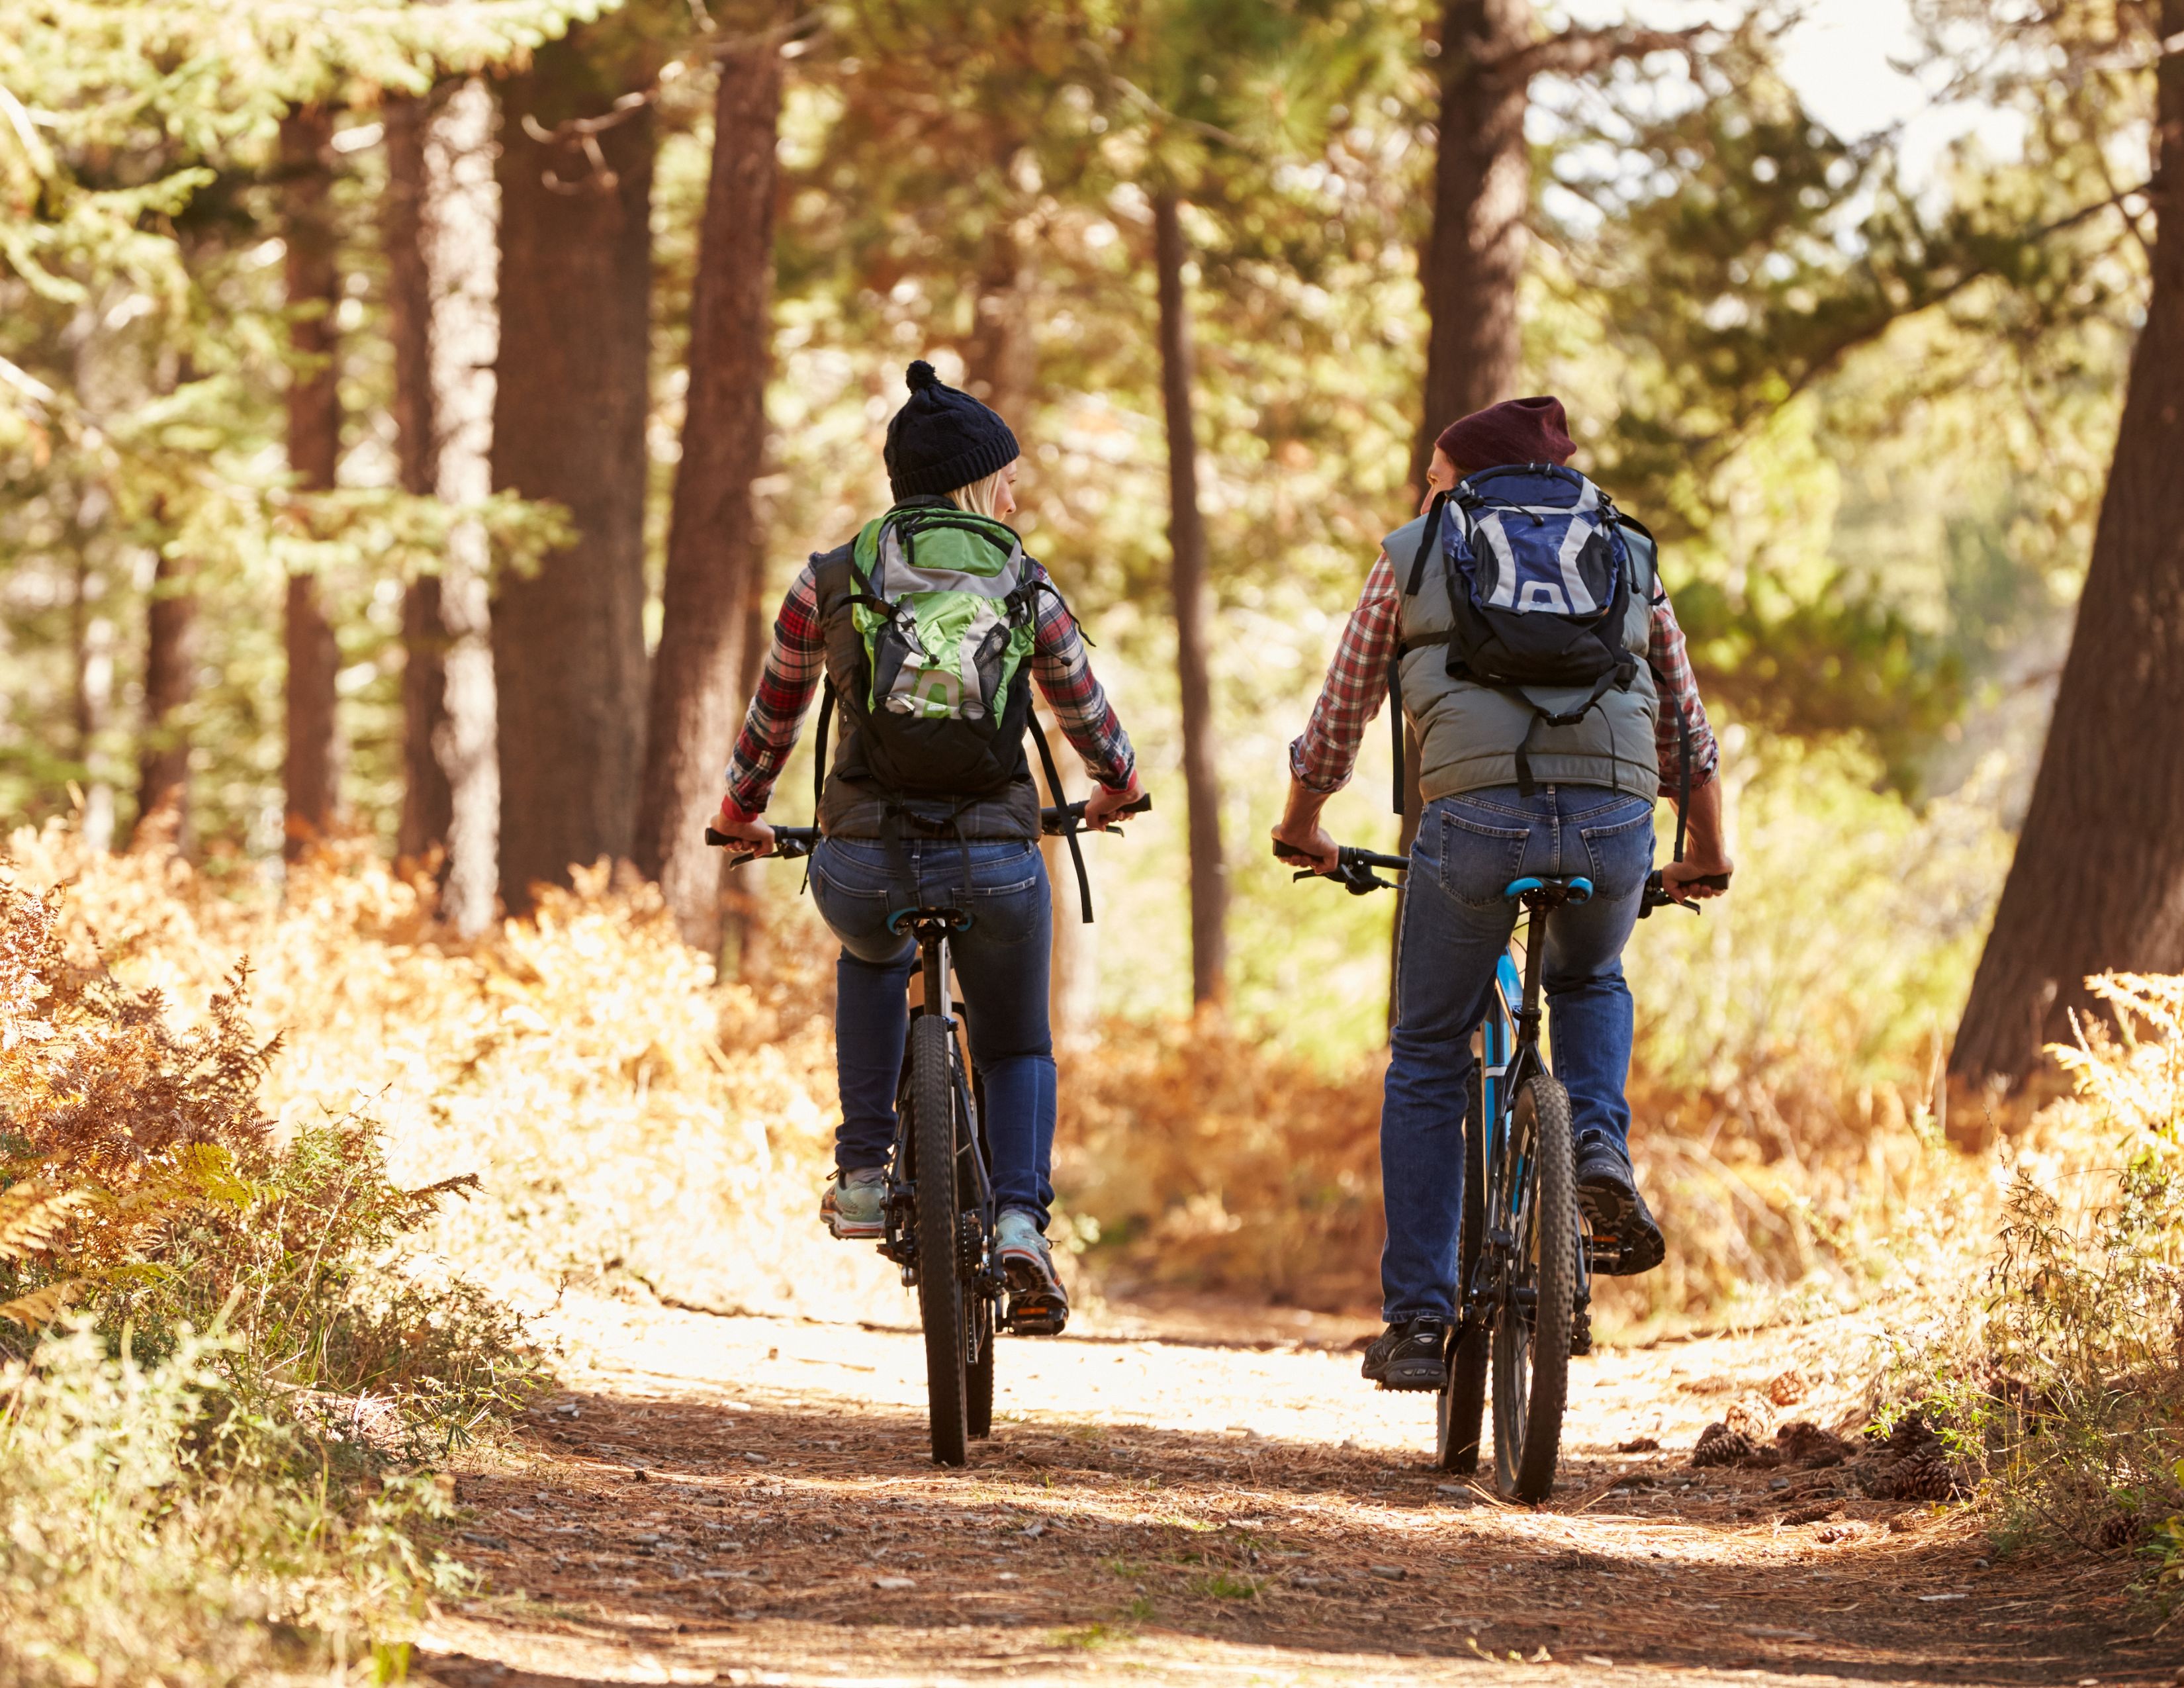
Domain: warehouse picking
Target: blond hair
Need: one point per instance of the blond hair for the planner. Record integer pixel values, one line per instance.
(983, 497)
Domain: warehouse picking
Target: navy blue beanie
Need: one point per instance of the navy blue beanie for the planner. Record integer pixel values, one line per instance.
(943, 438)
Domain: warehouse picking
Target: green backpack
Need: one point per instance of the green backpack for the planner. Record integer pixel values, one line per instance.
(945, 606)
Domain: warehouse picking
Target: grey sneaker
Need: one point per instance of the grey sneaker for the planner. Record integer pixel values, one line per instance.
(854, 1205)
(1038, 1304)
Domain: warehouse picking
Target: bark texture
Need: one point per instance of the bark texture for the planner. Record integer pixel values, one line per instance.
(1194, 613)
(1482, 190)
(2097, 882)
(162, 759)
(427, 799)
(438, 224)
(310, 767)
(716, 546)
(569, 420)
(462, 214)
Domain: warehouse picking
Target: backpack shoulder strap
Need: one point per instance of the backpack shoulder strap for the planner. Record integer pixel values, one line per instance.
(1069, 825)
(819, 743)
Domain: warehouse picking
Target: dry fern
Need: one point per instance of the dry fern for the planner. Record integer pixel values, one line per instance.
(31, 1215)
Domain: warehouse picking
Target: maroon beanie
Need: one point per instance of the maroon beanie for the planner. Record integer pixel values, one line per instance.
(1515, 431)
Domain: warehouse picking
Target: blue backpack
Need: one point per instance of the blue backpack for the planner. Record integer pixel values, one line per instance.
(1539, 589)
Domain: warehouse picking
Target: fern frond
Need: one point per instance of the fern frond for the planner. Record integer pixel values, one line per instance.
(38, 1307)
(31, 1214)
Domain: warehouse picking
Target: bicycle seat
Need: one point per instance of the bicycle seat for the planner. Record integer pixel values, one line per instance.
(1552, 892)
(948, 919)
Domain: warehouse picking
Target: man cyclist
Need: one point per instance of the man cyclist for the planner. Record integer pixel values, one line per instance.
(1590, 812)
(929, 799)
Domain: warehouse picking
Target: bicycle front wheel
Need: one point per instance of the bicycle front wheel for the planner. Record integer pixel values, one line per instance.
(940, 1302)
(1532, 1327)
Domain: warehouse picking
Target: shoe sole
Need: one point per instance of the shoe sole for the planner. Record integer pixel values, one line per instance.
(1419, 1375)
(856, 1233)
(1612, 1211)
(1037, 1306)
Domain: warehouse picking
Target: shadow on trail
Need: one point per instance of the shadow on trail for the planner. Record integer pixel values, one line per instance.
(787, 1534)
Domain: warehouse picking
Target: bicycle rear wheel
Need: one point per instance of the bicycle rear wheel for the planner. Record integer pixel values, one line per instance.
(1463, 1402)
(940, 1301)
(1532, 1329)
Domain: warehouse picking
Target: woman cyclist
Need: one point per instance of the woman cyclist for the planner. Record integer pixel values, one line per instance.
(925, 628)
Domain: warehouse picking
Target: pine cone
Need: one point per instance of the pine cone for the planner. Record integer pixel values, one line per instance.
(1787, 1389)
(1925, 1476)
(1802, 1442)
(1719, 1444)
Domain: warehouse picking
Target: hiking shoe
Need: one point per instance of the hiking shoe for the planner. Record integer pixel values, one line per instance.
(1408, 1356)
(854, 1205)
(1038, 1304)
(1615, 1211)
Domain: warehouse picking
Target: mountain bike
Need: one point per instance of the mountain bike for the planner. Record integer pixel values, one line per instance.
(1526, 1254)
(940, 1211)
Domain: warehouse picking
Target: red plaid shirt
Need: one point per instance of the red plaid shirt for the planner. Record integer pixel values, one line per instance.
(798, 659)
(1357, 681)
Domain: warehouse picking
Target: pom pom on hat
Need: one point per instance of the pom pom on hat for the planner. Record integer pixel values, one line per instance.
(942, 439)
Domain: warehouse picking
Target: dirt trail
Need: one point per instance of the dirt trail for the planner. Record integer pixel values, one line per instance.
(748, 1500)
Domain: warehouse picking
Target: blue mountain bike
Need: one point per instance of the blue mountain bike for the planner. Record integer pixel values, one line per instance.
(1526, 1255)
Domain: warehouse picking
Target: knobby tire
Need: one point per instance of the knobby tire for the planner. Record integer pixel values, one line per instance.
(1531, 1356)
(1463, 1402)
(940, 1301)
(978, 1373)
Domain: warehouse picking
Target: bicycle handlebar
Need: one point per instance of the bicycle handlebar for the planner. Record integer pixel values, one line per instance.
(791, 842)
(788, 841)
(1656, 892)
(1070, 816)
(1354, 868)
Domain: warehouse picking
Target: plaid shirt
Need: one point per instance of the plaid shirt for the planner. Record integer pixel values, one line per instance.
(798, 659)
(1357, 681)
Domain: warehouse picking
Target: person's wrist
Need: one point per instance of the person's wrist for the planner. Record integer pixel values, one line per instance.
(735, 813)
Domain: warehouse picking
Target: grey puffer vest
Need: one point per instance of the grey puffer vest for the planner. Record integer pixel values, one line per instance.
(851, 803)
(1467, 735)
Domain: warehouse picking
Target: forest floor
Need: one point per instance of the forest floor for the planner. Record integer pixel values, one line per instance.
(1195, 1495)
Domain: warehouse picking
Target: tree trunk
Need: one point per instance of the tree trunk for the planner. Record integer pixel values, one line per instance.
(569, 420)
(1482, 190)
(460, 222)
(742, 922)
(2097, 882)
(1000, 370)
(715, 544)
(1194, 611)
(162, 760)
(309, 768)
(427, 799)
(92, 640)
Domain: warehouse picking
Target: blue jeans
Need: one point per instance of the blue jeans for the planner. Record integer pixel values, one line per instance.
(1457, 924)
(1001, 962)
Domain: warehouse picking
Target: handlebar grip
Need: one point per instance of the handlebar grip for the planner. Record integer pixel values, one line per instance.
(1060, 818)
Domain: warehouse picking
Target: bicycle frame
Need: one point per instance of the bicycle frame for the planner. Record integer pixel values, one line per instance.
(1509, 1054)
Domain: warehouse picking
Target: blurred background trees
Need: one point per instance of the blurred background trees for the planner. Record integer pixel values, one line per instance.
(408, 417)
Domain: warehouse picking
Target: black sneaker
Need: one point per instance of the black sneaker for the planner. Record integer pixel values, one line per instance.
(1615, 1212)
(1408, 1356)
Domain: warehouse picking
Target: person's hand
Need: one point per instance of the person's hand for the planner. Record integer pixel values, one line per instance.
(1103, 805)
(1680, 879)
(754, 832)
(1308, 839)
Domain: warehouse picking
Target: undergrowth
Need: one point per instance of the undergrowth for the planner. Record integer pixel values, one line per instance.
(217, 1368)
(2060, 1389)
